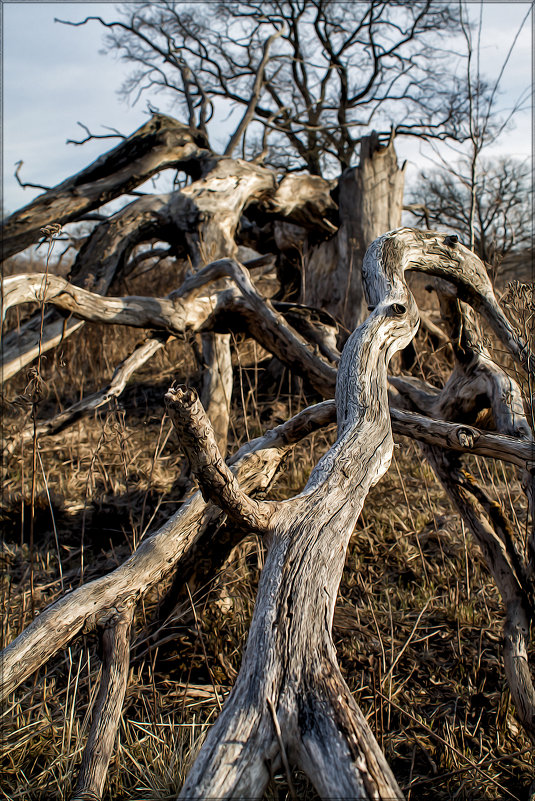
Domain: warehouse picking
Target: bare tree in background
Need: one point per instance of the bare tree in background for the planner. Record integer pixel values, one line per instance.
(489, 202)
(305, 78)
(502, 219)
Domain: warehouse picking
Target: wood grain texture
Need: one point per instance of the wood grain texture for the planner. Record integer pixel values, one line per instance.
(218, 482)
(370, 199)
(100, 600)
(108, 707)
(433, 253)
(289, 662)
(290, 699)
(477, 382)
(217, 381)
(185, 310)
(160, 143)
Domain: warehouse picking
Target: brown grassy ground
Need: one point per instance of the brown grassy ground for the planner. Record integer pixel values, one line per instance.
(417, 625)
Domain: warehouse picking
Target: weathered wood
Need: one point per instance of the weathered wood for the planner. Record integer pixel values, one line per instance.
(443, 256)
(315, 325)
(305, 201)
(289, 667)
(21, 347)
(462, 438)
(290, 705)
(160, 143)
(455, 436)
(201, 219)
(184, 310)
(370, 199)
(289, 662)
(217, 380)
(141, 312)
(217, 481)
(108, 707)
(503, 564)
(474, 377)
(97, 263)
(157, 556)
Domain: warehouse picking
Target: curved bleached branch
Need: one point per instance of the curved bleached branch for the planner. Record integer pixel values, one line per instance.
(444, 256)
(289, 664)
(157, 556)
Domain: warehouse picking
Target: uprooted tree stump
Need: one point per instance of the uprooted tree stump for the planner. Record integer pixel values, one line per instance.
(290, 705)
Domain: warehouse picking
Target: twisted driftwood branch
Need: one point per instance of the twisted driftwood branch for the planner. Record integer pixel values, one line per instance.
(157, 556)
(218, 482)
(476, 376)
(289, 663)
(184, 310)
(322, 729)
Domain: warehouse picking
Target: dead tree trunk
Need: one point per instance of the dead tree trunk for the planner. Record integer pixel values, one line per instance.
(159, 144)
(370, 201)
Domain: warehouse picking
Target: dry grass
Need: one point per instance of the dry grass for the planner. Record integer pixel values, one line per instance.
(417, 625)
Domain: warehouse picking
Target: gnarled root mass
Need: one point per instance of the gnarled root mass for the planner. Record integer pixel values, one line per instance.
(290, 705)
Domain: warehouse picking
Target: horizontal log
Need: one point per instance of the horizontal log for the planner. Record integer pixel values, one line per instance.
(464, 438)
(160, 143)
(183, 310)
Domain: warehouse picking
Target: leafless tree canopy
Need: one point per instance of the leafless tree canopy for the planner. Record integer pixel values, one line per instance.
(503, 218)
(305, 77)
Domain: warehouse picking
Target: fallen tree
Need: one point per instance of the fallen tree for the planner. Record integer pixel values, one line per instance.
(336, 326)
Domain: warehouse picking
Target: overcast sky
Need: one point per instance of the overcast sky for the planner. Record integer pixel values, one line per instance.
(54, 75)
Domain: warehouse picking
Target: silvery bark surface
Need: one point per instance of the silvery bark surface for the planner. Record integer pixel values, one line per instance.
(289, 668)
(290, 705)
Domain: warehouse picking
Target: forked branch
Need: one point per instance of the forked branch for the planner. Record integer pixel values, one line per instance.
(289, 664)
